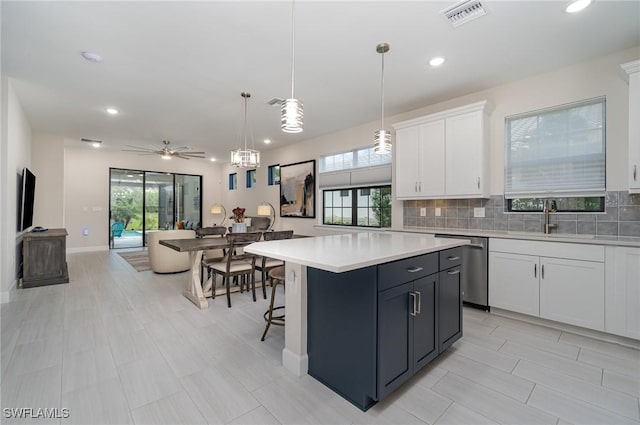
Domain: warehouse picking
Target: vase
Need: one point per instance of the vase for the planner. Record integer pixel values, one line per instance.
(239, 228)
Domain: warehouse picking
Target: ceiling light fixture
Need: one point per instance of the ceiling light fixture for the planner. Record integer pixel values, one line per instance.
(245, 158)
(166, 156)
(212, 159)
(577, 6)
(437, 61)
(382, 138)
(92, 57)
(112, 111)
(94, 143)
(267, 141)
(292, 110)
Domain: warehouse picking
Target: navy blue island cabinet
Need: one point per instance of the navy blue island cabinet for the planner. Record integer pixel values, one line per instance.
(371, 329)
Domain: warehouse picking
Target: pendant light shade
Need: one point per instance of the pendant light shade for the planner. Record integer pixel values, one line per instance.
(292, 111)
(243, 156)
(382, 138)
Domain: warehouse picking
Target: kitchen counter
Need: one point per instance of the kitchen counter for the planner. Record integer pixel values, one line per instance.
(627, 241)
(341, 253)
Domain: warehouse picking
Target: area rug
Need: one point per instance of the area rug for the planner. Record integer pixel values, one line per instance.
(139, 260)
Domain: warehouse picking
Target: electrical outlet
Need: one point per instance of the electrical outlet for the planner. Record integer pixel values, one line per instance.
(478, 212)
(423, 212)
(438, 212)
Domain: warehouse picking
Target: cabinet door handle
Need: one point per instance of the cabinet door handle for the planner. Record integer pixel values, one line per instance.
(419, 186)
(478, 182)
(535, 270)
(453, 272)
(453, 258)
(419, 301)
(542, 271)
(413, 307)
(635, 172)
(415, 187)
(414, 269)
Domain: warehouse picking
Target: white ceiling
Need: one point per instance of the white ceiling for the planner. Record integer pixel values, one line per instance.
(175, 70)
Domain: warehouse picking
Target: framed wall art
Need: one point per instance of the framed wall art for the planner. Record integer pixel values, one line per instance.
(298, 189)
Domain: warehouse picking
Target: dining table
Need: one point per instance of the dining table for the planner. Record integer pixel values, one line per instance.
(195, 247)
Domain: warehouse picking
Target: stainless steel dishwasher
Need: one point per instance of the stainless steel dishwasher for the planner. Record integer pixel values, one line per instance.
(475, 279)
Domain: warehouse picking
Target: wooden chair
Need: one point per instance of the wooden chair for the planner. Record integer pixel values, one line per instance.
(264, 265)
(277, 276)
(233, 265)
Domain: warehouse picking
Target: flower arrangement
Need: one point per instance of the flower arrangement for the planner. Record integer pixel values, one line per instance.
(238, 214)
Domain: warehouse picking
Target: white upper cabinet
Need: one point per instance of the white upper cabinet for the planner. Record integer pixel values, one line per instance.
(633, 70)
(443, 155)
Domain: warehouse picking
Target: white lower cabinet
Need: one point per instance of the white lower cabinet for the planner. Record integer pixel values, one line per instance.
(572, 291)
(556, 281)
(623, 291)
(513, 282)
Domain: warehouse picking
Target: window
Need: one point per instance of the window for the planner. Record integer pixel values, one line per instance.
(251, 179)
(273, 174)
(233, 181)
(557, 154)
(363, 207)
(365, 157)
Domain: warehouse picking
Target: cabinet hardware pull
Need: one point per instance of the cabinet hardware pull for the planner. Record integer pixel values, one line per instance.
(453, 272)
(415, 187)
(419, 186)
(413, 296)
(542, 271)
(475, 245)
(635, 172)
(414, 269)
(419, 301)
(453, 258)
(535, 270)
(478, 182)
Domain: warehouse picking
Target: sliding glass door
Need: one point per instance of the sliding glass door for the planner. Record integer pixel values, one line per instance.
(148, 201)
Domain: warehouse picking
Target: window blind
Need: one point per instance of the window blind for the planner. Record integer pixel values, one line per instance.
(557, 152)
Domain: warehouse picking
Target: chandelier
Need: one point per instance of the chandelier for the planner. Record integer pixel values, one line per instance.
(243, 157)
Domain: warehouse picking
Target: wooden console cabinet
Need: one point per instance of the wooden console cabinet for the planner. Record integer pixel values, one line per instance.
(44, 258)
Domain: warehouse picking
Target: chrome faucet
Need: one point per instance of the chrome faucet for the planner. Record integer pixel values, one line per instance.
(548, 226)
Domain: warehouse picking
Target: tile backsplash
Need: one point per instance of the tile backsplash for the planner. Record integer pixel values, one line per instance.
(621, 216)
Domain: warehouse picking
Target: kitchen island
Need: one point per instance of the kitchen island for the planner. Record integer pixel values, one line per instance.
(365, 311)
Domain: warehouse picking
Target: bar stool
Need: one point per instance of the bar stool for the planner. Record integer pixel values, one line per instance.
(276, 275)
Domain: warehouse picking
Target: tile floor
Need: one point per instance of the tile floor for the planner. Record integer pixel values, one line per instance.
(116, 346)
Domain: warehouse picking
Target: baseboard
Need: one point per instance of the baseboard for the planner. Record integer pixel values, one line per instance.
(602, 336)
(87, 249)
(5, 296)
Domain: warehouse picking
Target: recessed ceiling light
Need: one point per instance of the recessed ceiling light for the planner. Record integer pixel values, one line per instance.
(437, 61)
(166, 157)
(96, 144)
(212, 159)
(267, 141)
(112, 111)
(92, 57)
(577, 6)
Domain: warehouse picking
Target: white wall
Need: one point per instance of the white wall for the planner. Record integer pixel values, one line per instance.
(15, 154)
(86, 189)
(598, 77)
(47, 163)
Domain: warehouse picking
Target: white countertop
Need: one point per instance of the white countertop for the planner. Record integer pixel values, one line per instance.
(341, 253)
(553, 237)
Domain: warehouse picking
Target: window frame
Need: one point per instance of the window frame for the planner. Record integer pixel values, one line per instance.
(271, 175)
(354, 206)
(251, 179)
(548, 193)
(233, 181)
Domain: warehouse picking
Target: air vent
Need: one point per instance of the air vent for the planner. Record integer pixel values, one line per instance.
(90, 140)
(464, 12)
(275, 101)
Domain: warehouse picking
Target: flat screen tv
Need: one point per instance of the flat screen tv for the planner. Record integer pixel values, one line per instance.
(28, 193)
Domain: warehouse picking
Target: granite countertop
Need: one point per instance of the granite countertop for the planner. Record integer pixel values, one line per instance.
(345, 252)
(628, 241)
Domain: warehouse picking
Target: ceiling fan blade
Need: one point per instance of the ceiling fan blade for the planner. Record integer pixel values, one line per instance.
(181, 148)
(139, 150)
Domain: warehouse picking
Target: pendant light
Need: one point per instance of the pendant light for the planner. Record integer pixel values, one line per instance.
(382, 138)
(292, 110)
(243, 157)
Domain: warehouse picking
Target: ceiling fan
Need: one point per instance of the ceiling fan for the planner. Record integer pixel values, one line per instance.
(183, 152)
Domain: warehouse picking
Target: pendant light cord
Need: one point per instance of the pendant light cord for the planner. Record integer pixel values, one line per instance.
(293, 46)
(382, 95)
